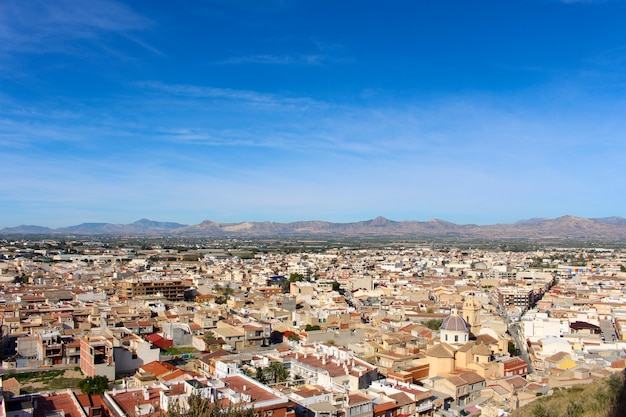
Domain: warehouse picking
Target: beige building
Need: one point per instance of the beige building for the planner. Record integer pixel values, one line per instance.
(172, 289)
(471, 313)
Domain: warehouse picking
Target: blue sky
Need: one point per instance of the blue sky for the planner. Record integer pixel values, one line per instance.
(469, 111)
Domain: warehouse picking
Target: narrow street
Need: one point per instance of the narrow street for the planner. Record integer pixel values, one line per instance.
(522, 348)
(608, 331)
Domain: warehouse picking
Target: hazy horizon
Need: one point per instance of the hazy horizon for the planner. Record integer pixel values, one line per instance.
(472, 112)
(298, 220)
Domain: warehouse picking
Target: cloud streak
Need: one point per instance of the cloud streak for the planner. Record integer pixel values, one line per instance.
(45, 27)
(276, 59)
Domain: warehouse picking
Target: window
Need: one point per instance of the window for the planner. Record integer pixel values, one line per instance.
(456, 337)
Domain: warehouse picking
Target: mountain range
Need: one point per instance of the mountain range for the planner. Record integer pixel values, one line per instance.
(609, 229)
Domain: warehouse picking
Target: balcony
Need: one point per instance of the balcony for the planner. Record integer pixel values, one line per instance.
(55, 350)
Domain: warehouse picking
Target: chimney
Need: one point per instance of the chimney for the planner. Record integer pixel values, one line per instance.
(146, 394)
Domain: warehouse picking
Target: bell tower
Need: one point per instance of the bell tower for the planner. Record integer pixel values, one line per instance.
(471, 313)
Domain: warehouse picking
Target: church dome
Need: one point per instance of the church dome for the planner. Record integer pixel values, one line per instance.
(454, 323)
(454, 329)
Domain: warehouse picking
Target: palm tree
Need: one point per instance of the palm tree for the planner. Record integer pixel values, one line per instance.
(224, 293)
(276, 372)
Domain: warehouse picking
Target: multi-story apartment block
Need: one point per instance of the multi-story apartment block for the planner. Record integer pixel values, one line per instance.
(514, 296)
(50, 348)
(96, 356)
(172, 289)
(332, 372)
(115, 351)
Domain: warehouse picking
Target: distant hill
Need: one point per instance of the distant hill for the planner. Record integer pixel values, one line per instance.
(143, 227)
(571, 228)
(27, 230)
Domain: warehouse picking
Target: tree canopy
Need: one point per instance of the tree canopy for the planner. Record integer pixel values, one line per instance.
(94, 385)
(276, 372)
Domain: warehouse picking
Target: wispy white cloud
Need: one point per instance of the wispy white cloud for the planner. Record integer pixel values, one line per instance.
(194, 91)
(207, 92)
(54, 26)
(276, 59)
(303, 52)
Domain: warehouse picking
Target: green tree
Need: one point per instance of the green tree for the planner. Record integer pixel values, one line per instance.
(224, 293)
(433, 324)
(337, 287)
(512, 349)
(285, 285)
(276, 372)
(94, 385)
(259, 375)
(295, 277)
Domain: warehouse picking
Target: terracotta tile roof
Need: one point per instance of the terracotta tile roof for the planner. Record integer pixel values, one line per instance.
(486, 339)
(89, 400)
(354, 399)
(516, 381)
(471, 377)
(257, 392)
(401, 398)
(381, 408)
(157, 368)
(481, 349)
(129, 399)
(456, 381)
(420, 396)
(178, 373)
(62, 401)
(308, 391)
(439, 351)
(559, 356)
